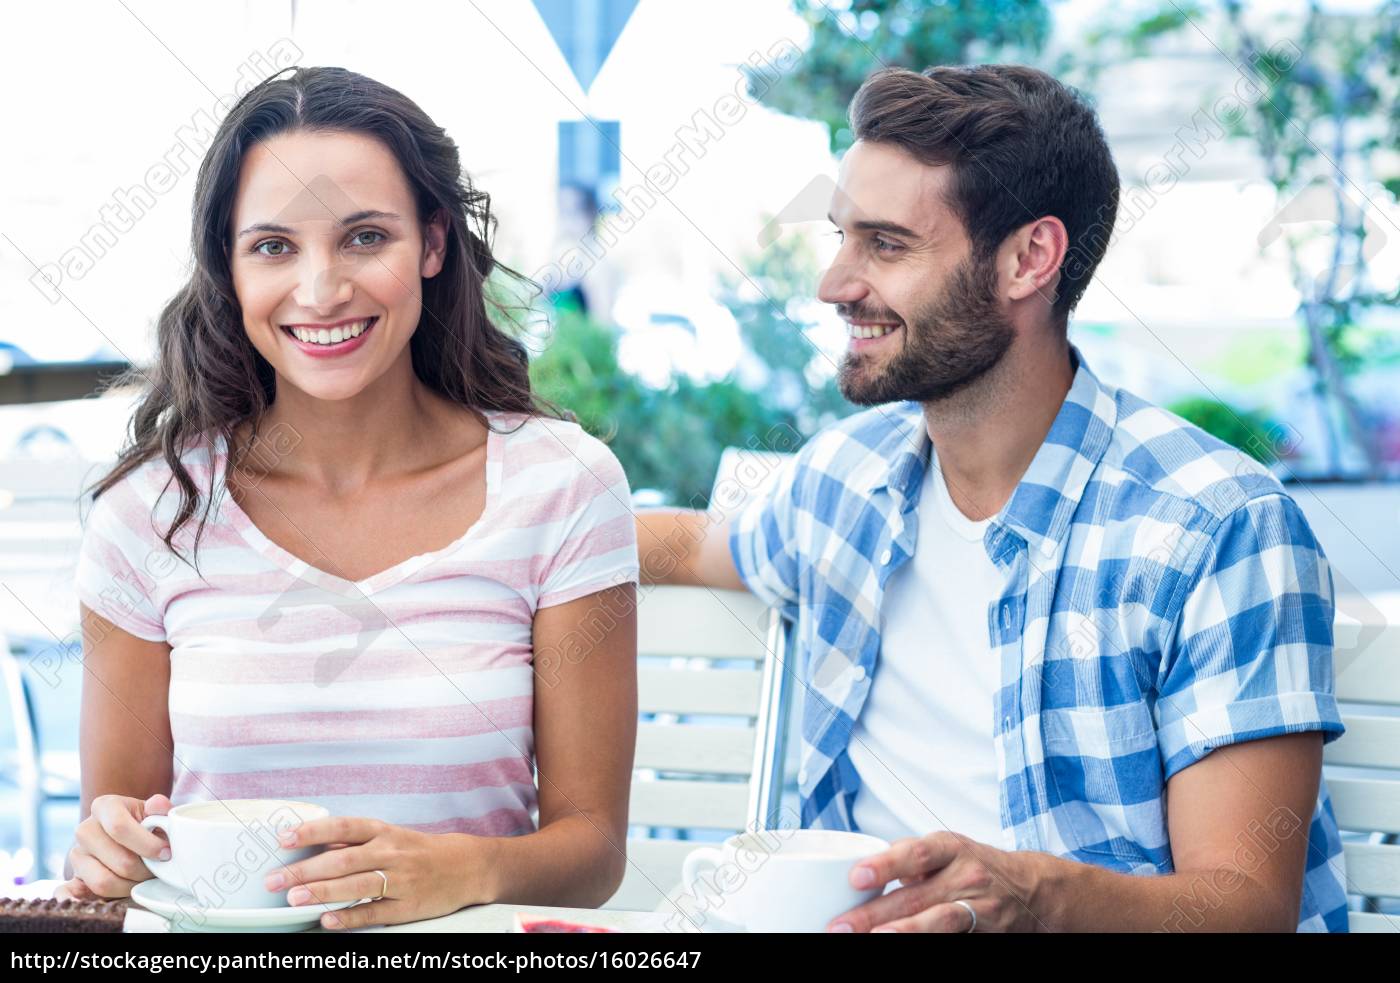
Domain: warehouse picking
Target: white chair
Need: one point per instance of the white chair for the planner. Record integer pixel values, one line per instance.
(1363, 766)
(711, 671)
(40, 777)
(39, 540)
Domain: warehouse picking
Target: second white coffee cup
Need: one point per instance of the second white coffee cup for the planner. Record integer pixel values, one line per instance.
(780, 880)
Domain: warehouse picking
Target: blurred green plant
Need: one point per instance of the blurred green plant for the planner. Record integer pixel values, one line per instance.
(1251, 432)
(669, 440)
(852, 39)
(774, 303)
(1326, 119)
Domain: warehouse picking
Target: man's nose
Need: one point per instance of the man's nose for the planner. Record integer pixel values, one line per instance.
(840, 284)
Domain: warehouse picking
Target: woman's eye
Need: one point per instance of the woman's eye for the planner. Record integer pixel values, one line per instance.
(281, 247)
(367, 232)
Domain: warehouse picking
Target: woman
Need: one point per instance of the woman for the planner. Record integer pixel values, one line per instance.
(346, 557)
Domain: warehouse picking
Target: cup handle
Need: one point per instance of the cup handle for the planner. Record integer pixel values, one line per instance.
(699, 862)
(163, 869)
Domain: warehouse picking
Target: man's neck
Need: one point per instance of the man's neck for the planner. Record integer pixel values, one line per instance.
(987, 435)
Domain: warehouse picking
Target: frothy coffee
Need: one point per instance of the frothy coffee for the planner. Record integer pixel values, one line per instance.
(246, 812)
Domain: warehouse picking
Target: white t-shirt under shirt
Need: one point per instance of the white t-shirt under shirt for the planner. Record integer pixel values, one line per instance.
(406, 697)
(923, 743)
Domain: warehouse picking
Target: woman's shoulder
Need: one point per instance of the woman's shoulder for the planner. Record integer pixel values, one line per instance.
(548, 449)
(152, 484)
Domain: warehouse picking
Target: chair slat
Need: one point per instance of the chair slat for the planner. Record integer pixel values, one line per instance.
(1363, 922)
(1370, 742)
(695, 748)
(696, 622)
(1373, 869)
(723, 692)
(1368, 648)
(689, 805)
(1369, 805)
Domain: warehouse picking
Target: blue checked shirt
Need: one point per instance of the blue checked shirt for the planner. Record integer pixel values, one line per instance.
(1163, 597)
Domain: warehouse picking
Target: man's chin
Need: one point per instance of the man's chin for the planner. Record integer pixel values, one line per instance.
(863, 389)
(858, 385)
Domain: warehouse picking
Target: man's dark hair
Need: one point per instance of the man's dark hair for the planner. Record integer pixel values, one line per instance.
(1021, 146)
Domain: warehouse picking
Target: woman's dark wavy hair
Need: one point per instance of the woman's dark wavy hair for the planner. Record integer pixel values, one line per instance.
(207, 377)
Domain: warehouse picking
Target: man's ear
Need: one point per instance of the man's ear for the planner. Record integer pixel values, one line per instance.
(434, 244)
(1037, 251)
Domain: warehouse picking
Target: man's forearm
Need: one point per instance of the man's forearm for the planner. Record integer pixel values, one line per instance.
(1077, 897)
(685, 546)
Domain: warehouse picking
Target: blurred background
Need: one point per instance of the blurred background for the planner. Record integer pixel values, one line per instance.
(661, 170)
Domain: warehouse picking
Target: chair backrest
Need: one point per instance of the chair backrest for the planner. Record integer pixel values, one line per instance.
(1363, 765)
(20, 709)
(709, 745)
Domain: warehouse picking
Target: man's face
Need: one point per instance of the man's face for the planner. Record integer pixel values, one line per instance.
(925, 320)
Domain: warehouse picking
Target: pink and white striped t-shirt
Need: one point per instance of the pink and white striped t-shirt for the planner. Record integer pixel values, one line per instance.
(405, 697)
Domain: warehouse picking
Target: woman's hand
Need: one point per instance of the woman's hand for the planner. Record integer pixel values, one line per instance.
(108, 847)
(425, 874)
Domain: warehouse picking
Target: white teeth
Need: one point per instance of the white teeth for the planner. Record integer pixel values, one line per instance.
(869, 330)
(332, 336)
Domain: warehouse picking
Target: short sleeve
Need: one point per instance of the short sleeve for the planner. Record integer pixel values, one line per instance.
(596, 546)
(763, 537)
(112, 576)
(1251, 656)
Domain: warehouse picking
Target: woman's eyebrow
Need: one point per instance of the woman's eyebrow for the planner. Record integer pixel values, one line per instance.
(350, 219)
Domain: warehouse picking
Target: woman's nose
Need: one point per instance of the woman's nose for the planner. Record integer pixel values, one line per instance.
(325, 283)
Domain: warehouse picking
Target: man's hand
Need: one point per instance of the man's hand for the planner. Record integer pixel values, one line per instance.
(1238, 827)
(942, 868)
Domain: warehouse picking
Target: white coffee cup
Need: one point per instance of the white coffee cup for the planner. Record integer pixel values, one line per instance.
(780, 880)
(221, 851)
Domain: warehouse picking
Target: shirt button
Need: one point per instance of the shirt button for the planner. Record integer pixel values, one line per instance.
(858, 672)
(1005, 723)
(885, 558)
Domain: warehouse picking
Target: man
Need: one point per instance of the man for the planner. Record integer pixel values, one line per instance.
(1047, 635)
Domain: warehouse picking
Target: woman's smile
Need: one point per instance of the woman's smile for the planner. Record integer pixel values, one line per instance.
(337, 338)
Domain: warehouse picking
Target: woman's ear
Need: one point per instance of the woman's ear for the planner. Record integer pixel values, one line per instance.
(434, 244)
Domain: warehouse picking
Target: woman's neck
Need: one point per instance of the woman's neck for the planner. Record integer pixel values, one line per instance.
(394, 426)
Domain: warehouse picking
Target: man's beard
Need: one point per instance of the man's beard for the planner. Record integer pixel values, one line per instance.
(951, 343)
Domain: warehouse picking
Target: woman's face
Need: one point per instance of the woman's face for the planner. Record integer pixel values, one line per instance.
(328, 257)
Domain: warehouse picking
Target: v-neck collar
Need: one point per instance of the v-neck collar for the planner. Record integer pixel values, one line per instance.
(254, 537)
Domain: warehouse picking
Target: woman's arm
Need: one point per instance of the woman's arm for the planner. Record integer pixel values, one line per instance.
(585, 738)
(125, 752)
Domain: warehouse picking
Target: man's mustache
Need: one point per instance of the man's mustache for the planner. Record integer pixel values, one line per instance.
(850, 313)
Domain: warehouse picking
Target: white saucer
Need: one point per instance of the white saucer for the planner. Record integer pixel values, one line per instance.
(185, 914)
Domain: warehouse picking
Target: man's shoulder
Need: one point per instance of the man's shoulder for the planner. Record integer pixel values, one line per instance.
(1154, 453)
(858, 448)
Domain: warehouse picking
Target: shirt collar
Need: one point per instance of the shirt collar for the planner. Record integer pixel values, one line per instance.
(1044, 502)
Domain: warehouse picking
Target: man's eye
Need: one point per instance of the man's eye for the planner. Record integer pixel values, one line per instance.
(885, 246)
